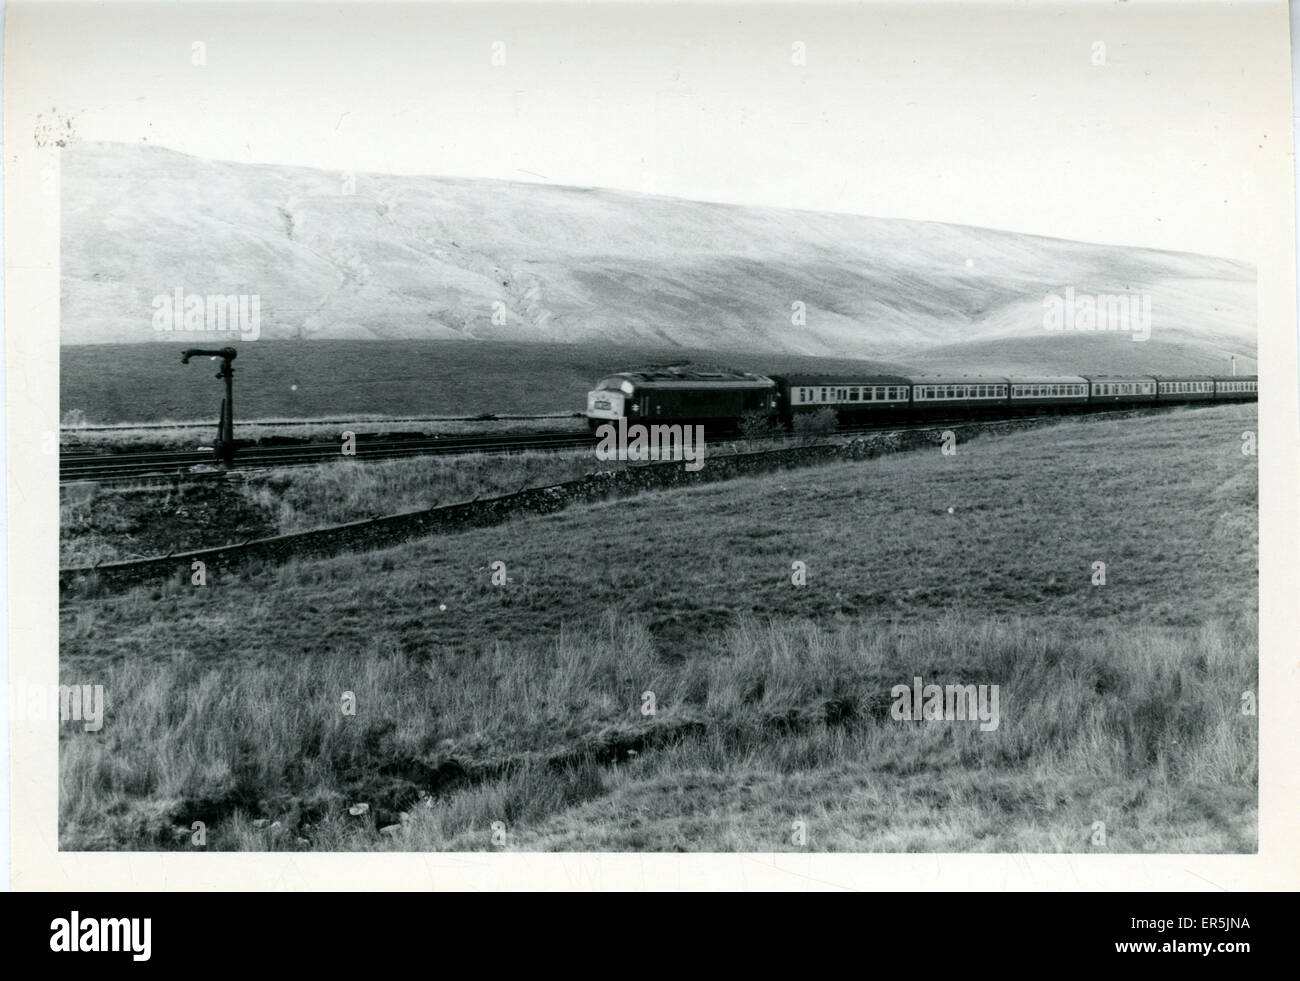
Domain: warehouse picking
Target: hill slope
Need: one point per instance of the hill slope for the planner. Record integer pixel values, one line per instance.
(427, 257)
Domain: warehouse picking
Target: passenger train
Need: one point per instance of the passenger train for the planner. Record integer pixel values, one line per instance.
(720, 398)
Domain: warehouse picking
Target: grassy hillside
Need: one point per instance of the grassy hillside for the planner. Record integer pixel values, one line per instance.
(384, 257)
(522, 703)
(1083, 353)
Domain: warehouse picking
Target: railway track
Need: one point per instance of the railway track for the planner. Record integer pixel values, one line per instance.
(199, 465)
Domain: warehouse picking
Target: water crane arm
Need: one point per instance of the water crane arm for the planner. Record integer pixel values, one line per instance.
(227, 354)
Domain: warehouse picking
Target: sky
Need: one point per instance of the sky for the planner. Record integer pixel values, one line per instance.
(1126, 123)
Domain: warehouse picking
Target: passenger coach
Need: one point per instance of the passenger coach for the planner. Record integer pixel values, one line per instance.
(1238, 387)
(1118, 389)
(1184, 388)
(945, 392)
(1049, 390)
(853, 397)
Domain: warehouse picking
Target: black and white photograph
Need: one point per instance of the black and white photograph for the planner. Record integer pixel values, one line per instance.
(632, 428)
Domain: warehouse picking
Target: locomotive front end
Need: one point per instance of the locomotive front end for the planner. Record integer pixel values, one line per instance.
(607, 402)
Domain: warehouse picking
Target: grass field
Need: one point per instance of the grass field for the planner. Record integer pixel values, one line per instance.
(98, 524)
(523, 703)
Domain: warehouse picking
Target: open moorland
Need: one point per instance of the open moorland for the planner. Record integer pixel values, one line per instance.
(649, 676)
(110, 383)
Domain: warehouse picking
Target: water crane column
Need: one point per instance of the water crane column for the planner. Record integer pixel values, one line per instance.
(225, 445)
